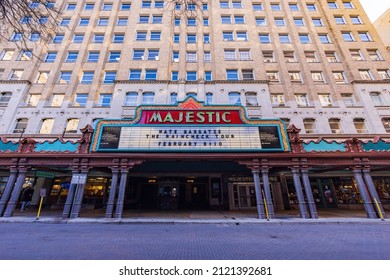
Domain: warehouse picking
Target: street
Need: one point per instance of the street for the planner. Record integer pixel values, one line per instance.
(40, 241)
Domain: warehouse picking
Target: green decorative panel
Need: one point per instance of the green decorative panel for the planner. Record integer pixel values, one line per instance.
(324, 146)
(8, 146)
(376, 146)
(56, 146)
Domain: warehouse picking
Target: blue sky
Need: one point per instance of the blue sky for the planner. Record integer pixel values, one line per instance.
(375, 8)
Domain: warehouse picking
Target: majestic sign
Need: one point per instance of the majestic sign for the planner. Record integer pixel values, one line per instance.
(190, 127)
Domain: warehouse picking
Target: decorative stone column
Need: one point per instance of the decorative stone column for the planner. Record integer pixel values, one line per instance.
(364, 194)
(69, 198)
(8, 189)
(267, 193)
(111, 198)
(298, 189)
(372, 190)
(78, 198)
(15, 193)
(259, 197)
(121, 194)
(309, 194)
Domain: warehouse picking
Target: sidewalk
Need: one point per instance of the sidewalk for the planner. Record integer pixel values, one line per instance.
(332, 216)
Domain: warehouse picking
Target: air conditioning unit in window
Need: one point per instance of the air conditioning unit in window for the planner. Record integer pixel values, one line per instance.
(142, 57)
(157, 57)
(175, 60)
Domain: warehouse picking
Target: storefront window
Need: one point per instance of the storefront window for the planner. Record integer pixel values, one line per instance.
(382, 185)
(346, 191)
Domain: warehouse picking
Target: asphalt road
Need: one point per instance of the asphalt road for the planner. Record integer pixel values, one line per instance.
(37, 241)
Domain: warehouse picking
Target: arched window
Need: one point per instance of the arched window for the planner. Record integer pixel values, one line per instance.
(209, 98)
(173, 98)
(148, 98)
(131, 98)
(234, 98)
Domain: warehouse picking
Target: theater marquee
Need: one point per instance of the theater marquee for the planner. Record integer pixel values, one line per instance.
(190, 127)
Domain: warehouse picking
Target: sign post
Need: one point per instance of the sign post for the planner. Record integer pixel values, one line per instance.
(42, 193)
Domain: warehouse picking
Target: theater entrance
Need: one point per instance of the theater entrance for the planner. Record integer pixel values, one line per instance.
(168, 193)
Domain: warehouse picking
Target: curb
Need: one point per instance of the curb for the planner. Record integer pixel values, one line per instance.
(194, 221)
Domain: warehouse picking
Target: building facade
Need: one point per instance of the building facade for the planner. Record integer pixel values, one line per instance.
(382, 25)
(319, 66)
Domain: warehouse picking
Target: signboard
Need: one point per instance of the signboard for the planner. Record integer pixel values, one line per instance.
(42, 192)
(190, 127)
(79, 178)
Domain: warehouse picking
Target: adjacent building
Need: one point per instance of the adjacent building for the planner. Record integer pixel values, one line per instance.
(317, 67)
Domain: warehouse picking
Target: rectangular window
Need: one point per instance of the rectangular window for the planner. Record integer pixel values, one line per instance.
(143, 19)
(98, 38)
(207, 56)
(384, 74)
(325, 99)
(118, 38)
(208, 76)
(374, 55)
(310, 126)
(264, 38)
(58, 38)
(15, 75)
(280, 22)
(386, 124)
(206, 38)
(89, 6)
(81, 100)
(51, 56)
(104, 100)
(121, 22)
(72, 125)
(87, 77)
(191, 76)
(191, 21)
(42, 77)
(5, 97)
(146, 4)
(331, 56)
(109, 77)
(56, 100)
(257, 6)
(176, 38)
(230, 55)
(24, 55)
(348, 99)
(21, 125)
(317, 22)
(239, 19)
(33, 100)
(360, 126)
(295, 77)
(93, 57)
(317, 77)
(365, 74)
(125, 6)
(103, 22)
(227, 36)
(151, 74)
(78, 38)
(356, 20)
(356, 55)
(153, 55)
(107, 7)
(335, 126)
(304, 38)
(72, 57)
(289, 56)
(272, 76)
(247, 75)
(376, 98)
(245, 54)
(277, 100)
(311, 56)
(251, 99)
(191, 38)
(284, 39)
(156, 19)
(365, 37)
(141, 36)
(261, 21)
(339, 77)
(65, 77)
(332, 5)
(135, 74)
(232, 74)
(242, 36)
(301, 100)
(324, 38)
(138, 54)
(84, 22)
(114, 56)
(65, 22)
(191, 57)
(46, 126)
(226, 20)
(174, 75)
(268, 56)
(299, 22)
(155, 36)
(348, 37)
(131, 99)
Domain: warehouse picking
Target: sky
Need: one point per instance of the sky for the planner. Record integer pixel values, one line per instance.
(375, 8)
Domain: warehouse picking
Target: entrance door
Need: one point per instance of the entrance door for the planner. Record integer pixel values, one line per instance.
(244, 196)
(198, 196)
